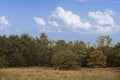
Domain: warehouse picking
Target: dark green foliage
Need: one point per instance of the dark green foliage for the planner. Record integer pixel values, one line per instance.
(64, 60)
(43, 51)
(79, 50)
(3, 61)
(114, 56)
(28, 49)
(24, 50)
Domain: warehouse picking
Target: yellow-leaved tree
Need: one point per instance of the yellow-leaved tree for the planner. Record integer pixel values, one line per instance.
(96, 59)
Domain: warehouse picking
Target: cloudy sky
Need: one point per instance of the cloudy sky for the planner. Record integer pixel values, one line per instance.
(61, 19)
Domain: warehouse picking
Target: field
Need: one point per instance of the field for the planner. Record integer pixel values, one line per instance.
(36, 73)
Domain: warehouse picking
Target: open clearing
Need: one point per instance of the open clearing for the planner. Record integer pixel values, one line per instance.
(36, 73)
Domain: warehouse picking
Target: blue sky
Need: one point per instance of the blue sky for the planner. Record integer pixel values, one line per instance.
(61, 19)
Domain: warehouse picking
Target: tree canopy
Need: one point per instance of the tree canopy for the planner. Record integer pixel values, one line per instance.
(25, 50)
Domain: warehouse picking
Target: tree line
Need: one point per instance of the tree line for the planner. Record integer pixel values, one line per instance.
(24, 50)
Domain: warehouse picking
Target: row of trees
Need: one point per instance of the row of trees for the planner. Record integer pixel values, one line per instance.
(24, 50)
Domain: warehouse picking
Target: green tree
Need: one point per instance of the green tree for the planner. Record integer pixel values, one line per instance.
(14, 55)
(60, 45)
(4, 48)
(64, 60)
(79, 50)
(28, 49)
(105, 45)
(3, 61)
(104, 41)
(96, 59)
(43, 47)
(114, 56)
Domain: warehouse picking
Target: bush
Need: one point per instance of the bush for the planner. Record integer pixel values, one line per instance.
(96, 59)
(64, 60)
(3, 62)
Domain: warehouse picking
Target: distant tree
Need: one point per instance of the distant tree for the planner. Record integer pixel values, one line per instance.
(43, 51)
(104, 41)
(104, 44)
(79, 50)
(64, 60)
(25, 50)
(3, 61)
(14, 55)
(60, 45)
(114, 56)
(70, 45)
(4, 48)
(88, 51)
(28, 49)
(96, 59)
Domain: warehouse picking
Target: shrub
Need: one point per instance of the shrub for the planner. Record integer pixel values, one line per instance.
(96, 59)
(3, 62)
(64, 60)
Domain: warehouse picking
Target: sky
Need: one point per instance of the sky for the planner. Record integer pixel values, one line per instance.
(69, 20)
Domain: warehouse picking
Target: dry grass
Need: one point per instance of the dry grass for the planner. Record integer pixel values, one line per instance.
(50, 74)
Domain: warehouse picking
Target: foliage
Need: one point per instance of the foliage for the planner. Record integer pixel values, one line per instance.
(64, 60)
(43, 51)
(25, 50)
(96, 59)
(114, 56)
(3, 62)
(104, 41)
(80, 50)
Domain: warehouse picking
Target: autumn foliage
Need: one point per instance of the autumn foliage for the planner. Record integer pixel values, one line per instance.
(96, 59)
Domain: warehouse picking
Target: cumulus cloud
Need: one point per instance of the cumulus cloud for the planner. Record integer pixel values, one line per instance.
(53, 23)
(103, 18)
(39, 21)
(62, 20)
(104, 21)
(3, 23)
(70, 19)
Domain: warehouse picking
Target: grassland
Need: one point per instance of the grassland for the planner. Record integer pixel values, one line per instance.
(51, 74)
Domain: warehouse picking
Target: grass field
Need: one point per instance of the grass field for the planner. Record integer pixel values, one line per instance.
(50, 74)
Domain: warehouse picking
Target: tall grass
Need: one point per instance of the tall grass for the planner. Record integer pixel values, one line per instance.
(50, 74)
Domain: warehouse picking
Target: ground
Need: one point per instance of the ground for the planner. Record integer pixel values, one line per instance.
(36, 73)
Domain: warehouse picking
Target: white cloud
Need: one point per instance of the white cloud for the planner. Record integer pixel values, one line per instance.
(103, 29)
(70, 20)
(104, 21)
(53, 23)
(3, 23)
(103, 18)
(39, 21)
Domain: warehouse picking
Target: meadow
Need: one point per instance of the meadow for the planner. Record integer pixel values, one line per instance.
(36, 73)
